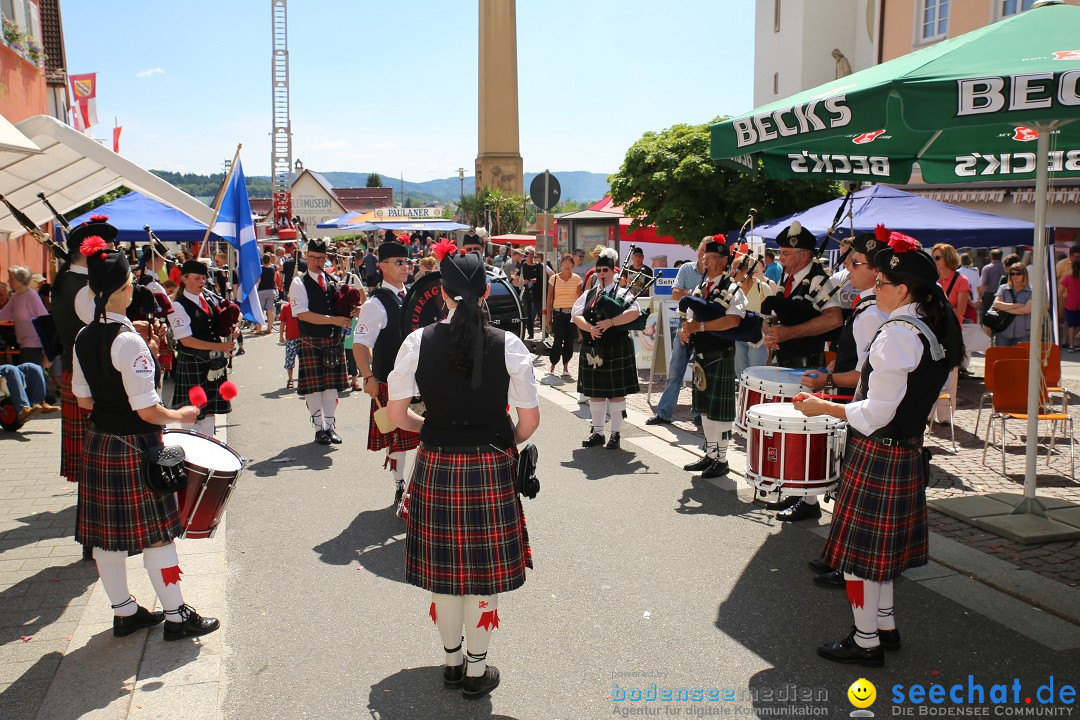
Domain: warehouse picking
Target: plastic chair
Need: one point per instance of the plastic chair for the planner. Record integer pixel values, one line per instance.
(1010, 403)
(1051, 372)
(993, 355)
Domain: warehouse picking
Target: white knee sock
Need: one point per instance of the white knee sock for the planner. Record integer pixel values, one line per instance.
(724, 439)
(163, 567)
(314, 406)
(448, 614)
(112, 567)
(481, 617)
(598, 410)
(329, 408)
(864, 596)
(396, 463)
(885, 619)
(617, 408)
(713, 432)
(810, 499)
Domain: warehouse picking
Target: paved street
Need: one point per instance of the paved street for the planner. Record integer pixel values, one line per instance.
(643, 575)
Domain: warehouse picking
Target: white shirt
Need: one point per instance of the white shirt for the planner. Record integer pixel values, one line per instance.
(974, 279)
(179, 320)
(132, 358)
(895, 353)
(866, 326)
(847, 292)
(736, 307)
(521, 392)
(579, 304)
(298, 293)
(372, 318)
(84, 299)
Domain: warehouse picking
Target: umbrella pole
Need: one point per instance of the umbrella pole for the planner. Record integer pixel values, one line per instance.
(1030, 504)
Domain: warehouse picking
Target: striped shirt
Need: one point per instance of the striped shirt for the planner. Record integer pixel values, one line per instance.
(566, 291)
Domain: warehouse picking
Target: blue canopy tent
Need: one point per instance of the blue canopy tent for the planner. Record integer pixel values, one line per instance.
(928, 221)
(132, 212)
(348, 220)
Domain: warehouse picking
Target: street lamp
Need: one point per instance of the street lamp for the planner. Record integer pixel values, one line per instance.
(461, 177)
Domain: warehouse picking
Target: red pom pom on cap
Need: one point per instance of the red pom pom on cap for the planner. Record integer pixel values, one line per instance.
(881, 233)
(228, 390)
(92, 245)
(442, 248)
(99, 218)
(901, 243)
(197, 396)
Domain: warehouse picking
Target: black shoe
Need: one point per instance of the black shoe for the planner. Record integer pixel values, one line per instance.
(593, 440)
(890, 639)
(783, 503)
(834, 579)
(613, 442)
(333, 437)
(697, 420)
(716, 469)
(193, 625)
(820, 566)
(474, 688)
(143, 618)
(847, 651)
(240, 352)
(657, 420)
(452, 676)
(398, 494)
(321, 437)
(698, 465)
(801, 510)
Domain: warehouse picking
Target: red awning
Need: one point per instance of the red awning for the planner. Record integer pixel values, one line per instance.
(513, 239)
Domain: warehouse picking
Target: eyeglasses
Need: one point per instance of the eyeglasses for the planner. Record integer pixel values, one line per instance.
(879, 283)
(855, 263)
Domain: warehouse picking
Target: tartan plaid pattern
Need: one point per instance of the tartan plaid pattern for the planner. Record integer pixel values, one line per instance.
(290, 353)
(397, 440)
(465, 533)
(616, 377)
(191, 371)
(115, 511)
(73, 422)
(717, 401)
(312, 376)
(879, 522)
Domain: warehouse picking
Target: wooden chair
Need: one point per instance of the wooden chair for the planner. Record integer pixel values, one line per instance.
(1010, 403)
(993, 355)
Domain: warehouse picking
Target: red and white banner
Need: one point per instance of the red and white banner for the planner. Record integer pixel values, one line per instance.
(83, 101)
(116, 138)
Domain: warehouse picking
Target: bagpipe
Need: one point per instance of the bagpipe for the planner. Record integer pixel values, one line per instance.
(60, 253)
(609, 306)
(748, 329)
(147, 304)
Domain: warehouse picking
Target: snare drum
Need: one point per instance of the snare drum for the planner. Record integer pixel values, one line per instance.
(212, 470)
(790, 453)
(765, 385)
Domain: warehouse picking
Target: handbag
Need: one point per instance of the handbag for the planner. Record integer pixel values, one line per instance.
(525, 481)
(997, 320)
(164, 465)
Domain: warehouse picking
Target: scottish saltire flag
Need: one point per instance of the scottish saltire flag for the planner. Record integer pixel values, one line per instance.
(234, 224)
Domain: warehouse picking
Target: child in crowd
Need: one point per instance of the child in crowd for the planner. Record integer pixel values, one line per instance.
(289, 333)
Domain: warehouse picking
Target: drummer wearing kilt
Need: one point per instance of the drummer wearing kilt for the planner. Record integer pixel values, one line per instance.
(113, 379)
(714, 357)
(607, 368)
(879, 523)
(465, 537)
(323, 372)
(805, 316)
(200, 354)
(376, 343)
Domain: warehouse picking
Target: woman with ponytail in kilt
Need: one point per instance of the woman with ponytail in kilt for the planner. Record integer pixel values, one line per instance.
(879, 524)
(465, 536)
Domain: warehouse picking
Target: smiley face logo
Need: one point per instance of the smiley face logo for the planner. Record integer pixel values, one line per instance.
(862, 693)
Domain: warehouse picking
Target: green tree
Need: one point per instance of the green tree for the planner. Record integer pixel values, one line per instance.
(668, 180)
(505, 211)
(373, 180)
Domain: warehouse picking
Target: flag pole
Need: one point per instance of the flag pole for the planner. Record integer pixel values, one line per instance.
(217, 199)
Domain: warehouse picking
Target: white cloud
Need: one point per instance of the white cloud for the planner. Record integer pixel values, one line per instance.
(149, 72)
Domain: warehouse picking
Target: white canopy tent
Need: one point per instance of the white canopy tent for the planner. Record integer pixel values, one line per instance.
(71, 169)
(13, 143)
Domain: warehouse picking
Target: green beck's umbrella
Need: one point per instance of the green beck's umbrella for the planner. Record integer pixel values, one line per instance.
(965, 109)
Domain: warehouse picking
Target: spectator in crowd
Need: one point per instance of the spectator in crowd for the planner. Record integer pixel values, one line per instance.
(990, 278)
(511, 266)
(564, 289)
(174, 271)
(22, 308)
(427, 265)
(1014, 297)
(267, 293)
(1070, 285)
(371, 268)
(773, 270)
(5, 294)
(26, 386)
(1008, 262)
(967, 269)
(638, 274)
(958, 291)
(532, 274)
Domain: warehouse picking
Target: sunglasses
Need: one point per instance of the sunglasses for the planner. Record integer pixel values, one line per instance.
(603, 270)
(399, 263)
(937, 257)
(1016, 273)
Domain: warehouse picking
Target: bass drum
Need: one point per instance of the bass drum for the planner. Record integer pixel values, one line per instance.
(423, 304)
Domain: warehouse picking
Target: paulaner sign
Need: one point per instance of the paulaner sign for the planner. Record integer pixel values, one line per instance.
(401, 212)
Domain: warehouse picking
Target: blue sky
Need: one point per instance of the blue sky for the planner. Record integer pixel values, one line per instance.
(391, 86)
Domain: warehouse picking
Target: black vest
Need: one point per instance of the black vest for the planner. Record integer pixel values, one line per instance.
(112, 413)
(319, 303)
(65, 289)
(711, 342)
(457, 415)
(603, 306)
(201, 324)
(847, 353)
(924, 385)
(390, 337)
(796, 311)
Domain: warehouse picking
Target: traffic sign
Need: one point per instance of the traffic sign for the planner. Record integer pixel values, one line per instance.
(545, 191)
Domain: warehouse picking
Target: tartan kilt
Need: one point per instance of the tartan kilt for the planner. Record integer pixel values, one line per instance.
(879, 521)
(312, 376)
(616, 377)
(397, 440)
(73, 422)
(191, 371)
(465, 532)
(717, 400)
(115, 511)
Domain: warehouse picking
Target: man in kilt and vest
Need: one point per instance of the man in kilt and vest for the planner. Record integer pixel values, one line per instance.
(842, 377)
(879, 526)
(201, 354)
(465, 537)
(607, 367)
(805, 316)
(722, 308)
(378, 336)
(323, 372)
(113, 379)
